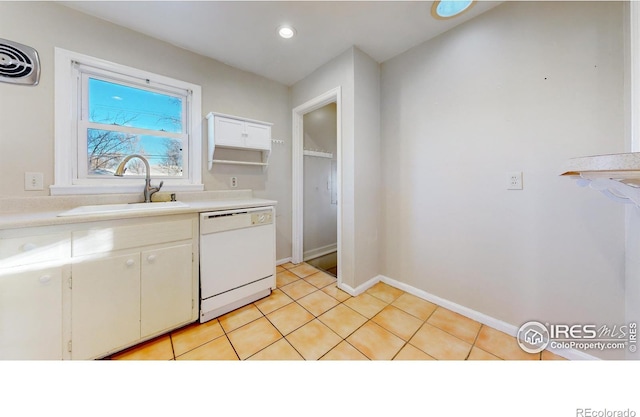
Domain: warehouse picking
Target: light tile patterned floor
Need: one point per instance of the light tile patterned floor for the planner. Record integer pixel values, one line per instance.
(308, 317)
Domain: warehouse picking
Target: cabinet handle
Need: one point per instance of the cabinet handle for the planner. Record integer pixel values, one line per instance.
(130, 262)
(45, 279)
(152, 258)
(28, 246)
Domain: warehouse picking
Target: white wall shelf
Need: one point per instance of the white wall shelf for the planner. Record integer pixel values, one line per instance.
(232, 132)
(616, 176)
(232, 162)
(318, 154)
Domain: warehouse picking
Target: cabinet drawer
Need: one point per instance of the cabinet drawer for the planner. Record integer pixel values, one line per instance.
(17, 251)
(107, 239)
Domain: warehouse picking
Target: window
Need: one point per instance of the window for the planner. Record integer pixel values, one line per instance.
(447, 9)
(106, 111)
(118, 120)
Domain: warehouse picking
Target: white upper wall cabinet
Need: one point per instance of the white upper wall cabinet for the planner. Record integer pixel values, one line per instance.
(233, 132)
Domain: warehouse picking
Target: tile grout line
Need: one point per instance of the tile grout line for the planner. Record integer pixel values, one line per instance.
(425, 321)
(278, 330)
(270, 344)
(406, 342)
(355, 330)
(316, 318)
(173, 351)
(232, 347)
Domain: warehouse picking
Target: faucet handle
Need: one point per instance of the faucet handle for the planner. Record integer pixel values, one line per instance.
(153, 189)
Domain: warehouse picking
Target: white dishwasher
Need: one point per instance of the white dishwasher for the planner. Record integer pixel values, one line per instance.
(237, 259)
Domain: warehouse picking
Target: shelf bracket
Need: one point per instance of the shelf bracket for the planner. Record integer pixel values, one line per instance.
(613, 189)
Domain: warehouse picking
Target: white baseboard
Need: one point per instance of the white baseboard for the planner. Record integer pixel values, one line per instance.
(283, 261)
(500, 325)
(360, 288)
(457, 308)
(321, 251)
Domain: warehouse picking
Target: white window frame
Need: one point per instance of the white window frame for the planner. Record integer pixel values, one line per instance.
(70, 174)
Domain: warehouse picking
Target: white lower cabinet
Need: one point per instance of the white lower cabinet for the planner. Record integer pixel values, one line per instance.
(166, 295)
(132, 282)
(87, 290)
(34, 265)
(105, 304)
(31, 313)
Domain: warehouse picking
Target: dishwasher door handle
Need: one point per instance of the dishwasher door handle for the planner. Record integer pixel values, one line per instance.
(219, 216)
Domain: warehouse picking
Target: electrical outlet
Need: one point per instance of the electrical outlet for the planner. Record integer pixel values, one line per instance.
(234, 182)
(33, 181)
(514, 180)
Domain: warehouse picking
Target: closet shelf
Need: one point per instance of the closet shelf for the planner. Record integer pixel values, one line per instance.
(318, 154)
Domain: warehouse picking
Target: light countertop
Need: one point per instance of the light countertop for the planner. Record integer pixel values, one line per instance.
(43, 211)
(624, 167)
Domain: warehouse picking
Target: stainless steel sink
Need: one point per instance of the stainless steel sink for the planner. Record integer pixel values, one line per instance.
(122, 208)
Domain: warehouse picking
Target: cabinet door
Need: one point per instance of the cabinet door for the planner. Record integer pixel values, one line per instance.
(105, 305)
(258, 136)
(31, 314)
(229, 132)
(166, 287)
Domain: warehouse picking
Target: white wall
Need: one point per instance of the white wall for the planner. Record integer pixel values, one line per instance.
(368, 160)
(26, 113)
(522, 87)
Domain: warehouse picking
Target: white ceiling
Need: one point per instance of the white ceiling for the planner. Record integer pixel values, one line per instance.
(243, 33)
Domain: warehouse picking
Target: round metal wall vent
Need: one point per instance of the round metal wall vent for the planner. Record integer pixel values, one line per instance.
(19, 64)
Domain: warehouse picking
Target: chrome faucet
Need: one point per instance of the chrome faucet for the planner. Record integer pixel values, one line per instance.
(148, 189)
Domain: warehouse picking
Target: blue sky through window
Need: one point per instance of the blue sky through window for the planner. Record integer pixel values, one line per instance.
(450, 8)
(120, 105)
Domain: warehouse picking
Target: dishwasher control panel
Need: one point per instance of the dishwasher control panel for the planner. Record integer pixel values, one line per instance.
(261, 217)
(218, 221)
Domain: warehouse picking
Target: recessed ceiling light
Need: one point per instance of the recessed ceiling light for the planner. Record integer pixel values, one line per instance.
(286, 32)
(446, 9)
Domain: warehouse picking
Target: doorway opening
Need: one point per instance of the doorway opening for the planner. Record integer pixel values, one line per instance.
(316, 213)
(320, 206)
